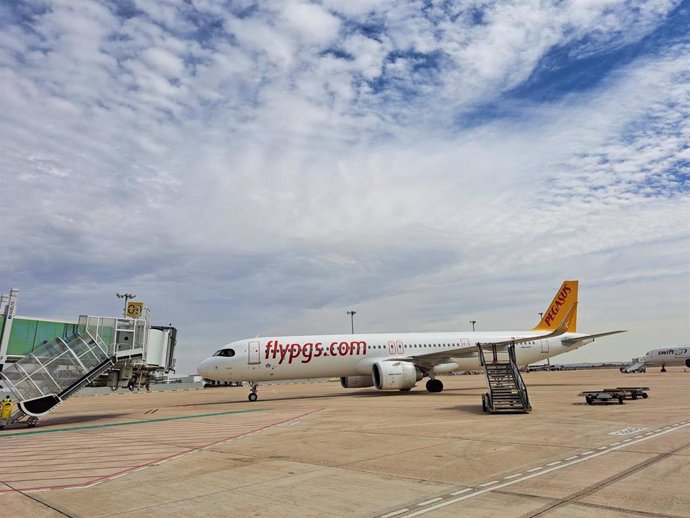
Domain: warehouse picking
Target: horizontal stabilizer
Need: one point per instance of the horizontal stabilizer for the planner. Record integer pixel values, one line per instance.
(571, 341)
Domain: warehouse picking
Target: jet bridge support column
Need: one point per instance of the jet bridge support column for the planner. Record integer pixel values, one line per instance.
(8, 307)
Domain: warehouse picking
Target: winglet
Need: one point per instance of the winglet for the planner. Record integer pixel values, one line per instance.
(564, 303)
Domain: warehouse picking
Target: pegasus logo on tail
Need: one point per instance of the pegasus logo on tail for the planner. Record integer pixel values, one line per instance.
(564, 301)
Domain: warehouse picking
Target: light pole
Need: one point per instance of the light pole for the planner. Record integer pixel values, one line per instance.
(352, 320)
(126, 296)
(473, 322)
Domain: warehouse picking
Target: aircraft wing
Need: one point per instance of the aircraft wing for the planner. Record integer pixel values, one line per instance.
(429, 360)
(571, 341)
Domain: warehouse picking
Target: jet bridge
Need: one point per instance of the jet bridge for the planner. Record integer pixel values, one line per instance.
(125, 348)
(52, 373)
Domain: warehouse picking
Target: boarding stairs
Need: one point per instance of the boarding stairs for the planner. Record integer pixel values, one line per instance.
(507, 390)
(53, 372)
(637, 365)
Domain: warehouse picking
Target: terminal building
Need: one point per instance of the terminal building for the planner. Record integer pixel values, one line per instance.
(44, 361)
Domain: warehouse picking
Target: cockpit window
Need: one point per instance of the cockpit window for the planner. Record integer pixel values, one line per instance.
(225, 352)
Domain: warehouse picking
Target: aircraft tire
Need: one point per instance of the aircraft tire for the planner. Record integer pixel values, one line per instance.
(252, 396)
(645, 395)
(434, 386)
(589, 400)
(620, 400)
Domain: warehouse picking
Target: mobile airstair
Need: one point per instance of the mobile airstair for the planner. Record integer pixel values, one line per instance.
(53, 372)
(637, 365)
(507, 390)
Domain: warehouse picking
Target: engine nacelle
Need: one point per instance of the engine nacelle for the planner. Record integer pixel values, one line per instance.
(356, 381)
(395, 375)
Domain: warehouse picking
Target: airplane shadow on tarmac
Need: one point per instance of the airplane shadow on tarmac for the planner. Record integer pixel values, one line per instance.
(76, 419)
(346, 394)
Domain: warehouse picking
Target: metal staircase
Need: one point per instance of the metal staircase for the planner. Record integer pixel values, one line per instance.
(507, 390)
(54, 372)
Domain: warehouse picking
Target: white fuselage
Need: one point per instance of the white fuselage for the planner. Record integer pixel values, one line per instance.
(668, 356)
(320, 356)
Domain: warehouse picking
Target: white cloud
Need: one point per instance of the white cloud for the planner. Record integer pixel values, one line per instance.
(268, 170)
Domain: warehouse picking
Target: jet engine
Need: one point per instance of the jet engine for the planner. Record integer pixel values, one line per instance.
(356, 381)
(394, 375)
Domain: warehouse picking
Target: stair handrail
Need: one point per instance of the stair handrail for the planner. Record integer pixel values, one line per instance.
(519, 382)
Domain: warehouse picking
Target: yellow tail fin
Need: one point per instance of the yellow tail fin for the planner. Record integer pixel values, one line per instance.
(565, 299)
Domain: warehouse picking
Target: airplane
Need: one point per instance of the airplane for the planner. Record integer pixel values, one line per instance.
(660, 358)
(395, 361)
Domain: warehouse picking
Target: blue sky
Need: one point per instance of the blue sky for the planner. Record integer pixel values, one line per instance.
(252, 168)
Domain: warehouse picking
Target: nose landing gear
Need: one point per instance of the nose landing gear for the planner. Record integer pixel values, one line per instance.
(252, 394)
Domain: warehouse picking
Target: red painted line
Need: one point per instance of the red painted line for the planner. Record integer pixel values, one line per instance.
(162, 459)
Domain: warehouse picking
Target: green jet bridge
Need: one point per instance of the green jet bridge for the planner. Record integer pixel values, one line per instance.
(58, 368)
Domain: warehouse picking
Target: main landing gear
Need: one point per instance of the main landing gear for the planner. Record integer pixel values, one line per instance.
(434, 385)
(252, 394)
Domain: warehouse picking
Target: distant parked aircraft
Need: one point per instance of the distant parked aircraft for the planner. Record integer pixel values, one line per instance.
(660, 358)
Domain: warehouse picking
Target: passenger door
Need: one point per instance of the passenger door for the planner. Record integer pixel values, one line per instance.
(254, 354)
(544, 346)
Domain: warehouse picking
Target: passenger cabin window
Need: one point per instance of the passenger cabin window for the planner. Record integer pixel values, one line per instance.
(225, 352)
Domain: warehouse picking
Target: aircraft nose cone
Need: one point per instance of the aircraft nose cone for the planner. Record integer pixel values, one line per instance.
(204, 369)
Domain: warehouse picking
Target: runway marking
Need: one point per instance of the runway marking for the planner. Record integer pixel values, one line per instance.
(571, 458)
(474, 492)
(395, 513)
(488, 483)
(554, 463)
(80, 468)
(628, 431)
(427, 502)
(513, 476)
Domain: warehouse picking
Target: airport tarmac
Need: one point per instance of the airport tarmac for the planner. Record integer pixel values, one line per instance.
(317, 450)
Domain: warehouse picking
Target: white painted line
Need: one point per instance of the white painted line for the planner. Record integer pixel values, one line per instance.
(585, 453)
(395, 513)
(554, 463)
(462, 491)
(513, 476)
(478, 492)
(638, 436)
(627, 440)
(118, 476)
(421, 504)
(91, 485)
(488, 483)
(602, 447)
(571, 458)
(535, 469)
(614, 444)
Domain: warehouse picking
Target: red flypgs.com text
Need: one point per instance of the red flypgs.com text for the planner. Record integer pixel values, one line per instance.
(557, 303)
(305, 352)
